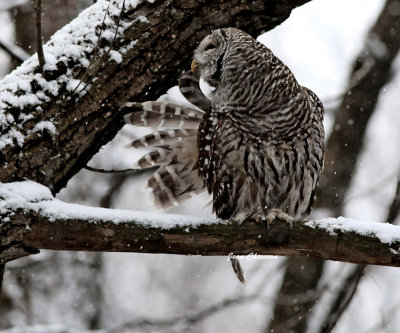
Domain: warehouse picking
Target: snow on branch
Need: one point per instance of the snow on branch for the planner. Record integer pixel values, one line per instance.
(32, 219)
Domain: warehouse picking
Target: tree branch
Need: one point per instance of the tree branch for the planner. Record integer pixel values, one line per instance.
(32, 219)
(14, 51)
(343, 298)
(2, 268)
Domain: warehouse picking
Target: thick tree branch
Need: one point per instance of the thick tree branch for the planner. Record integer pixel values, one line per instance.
(209, 239)
(32, 219)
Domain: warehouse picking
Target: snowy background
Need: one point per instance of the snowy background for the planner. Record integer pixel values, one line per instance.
(318, 42)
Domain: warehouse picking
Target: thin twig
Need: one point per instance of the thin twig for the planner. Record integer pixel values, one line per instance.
(190, 318)
(343, 298)
(109, 49)
(38, 10)
(395, 205)
(135, 171)
(14, 51)
(2, 268)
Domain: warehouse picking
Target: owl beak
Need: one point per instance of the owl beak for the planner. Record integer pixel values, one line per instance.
(194, 66)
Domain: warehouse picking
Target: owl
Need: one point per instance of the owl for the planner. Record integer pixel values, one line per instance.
(256, 143)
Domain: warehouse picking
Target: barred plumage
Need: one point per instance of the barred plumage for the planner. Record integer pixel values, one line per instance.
(175, 149)
(190, 88)
(260, 138)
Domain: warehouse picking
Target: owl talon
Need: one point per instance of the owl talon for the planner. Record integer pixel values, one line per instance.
(274, 214)
(240, 218)
(258, 218)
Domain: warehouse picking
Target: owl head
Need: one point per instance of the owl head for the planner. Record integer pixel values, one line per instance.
(209, 56)
(228, 51)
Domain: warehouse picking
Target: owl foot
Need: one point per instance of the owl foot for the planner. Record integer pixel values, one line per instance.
(240, 218)
(272, 215)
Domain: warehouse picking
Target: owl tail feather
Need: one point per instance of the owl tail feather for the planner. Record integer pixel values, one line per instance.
(174, 150)
(237, 268)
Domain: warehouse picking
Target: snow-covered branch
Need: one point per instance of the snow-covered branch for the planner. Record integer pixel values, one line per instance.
(32, 219)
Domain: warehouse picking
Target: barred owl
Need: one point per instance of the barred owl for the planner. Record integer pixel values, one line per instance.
(257, 145)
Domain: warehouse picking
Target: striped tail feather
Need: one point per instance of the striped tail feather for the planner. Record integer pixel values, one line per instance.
(190, 88)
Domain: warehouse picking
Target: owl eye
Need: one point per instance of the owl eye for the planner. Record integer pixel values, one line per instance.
(210, 47)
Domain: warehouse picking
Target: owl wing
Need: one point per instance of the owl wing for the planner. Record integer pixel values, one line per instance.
(173, 149)
(174, 146)
(231, 169)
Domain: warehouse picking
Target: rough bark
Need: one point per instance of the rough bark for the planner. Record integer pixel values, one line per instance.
(164, 47)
